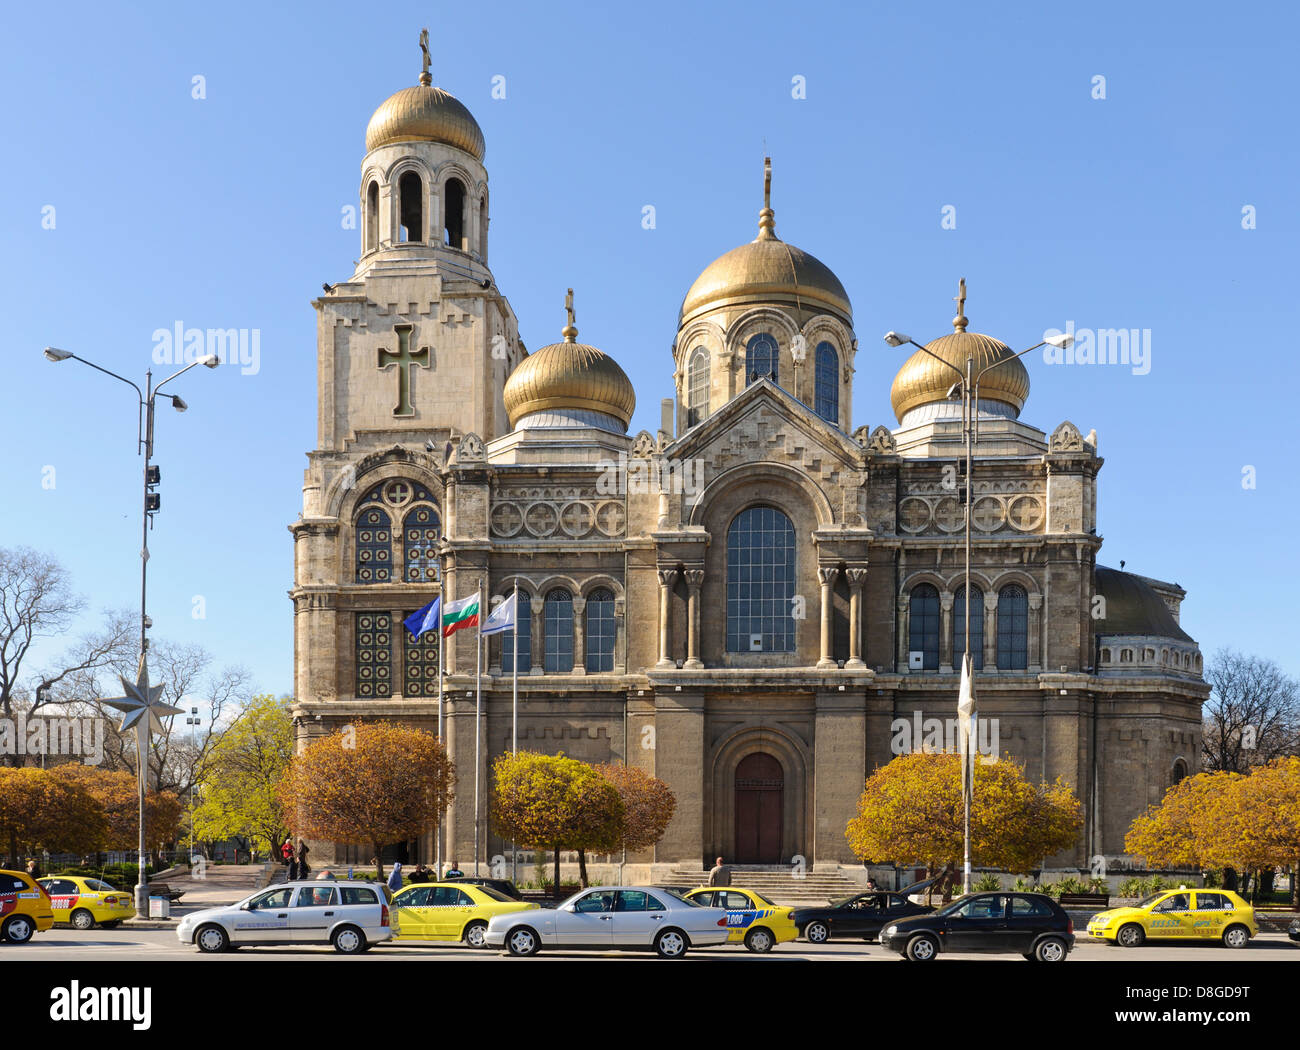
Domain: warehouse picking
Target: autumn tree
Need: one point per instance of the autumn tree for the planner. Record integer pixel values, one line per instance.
(911, 810)
(39, 811)
(648, 806)
(1179, 831)
(368, 785)
(556, 803)
(118, 795)
(239, 778)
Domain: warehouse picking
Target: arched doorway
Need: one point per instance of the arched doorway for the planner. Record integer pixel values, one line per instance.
(760, 786)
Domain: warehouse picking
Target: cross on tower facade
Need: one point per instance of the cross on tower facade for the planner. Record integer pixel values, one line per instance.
(405, 361)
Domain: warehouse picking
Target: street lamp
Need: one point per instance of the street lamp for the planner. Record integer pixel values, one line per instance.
(966, 389)
(141, 702)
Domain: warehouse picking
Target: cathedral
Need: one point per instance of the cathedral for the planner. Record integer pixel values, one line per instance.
(750, 603)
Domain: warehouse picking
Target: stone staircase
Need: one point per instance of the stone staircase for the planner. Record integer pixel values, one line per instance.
(777, 884)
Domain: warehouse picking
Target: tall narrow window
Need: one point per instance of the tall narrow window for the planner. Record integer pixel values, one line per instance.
(600, 630)
(923, 625)
(421, 674)
(697, 387)
(374, 546)
(761, 358)
(374, 655)
(1013, 628)
(524, 618)
(453, 214)
(760, 582)
(976, 627)
(372, 217)
(410, 192)
(557, 627)
(827, 400)
(420, 531)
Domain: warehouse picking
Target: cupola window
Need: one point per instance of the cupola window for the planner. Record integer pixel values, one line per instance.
(410, 192)
(827, 401)
(761, 359)
(453, 211)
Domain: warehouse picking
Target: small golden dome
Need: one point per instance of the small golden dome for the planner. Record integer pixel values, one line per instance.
(569, 375)
(425, 113)
(767, 270)
(922, 380)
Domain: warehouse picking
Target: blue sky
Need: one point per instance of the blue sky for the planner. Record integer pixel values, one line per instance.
(1122, 212)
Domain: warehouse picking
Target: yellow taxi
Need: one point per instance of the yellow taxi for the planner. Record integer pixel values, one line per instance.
(24, 907)
(753, 919)
(1181, 914)
(449, 911)
(84, 902)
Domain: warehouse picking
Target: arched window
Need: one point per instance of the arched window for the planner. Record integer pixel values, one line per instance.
(410, 194)
(976, 627)
(923, 625)
(1179, 772)
(374, 654)
(374, 546)
(600, 630)
(827, 401)
(372, 216)
(420, 531)
(760, 582)
(697, 387)
(557, 630)
(761, 358)
(524, 618)
(1013, 628)
(453, 214)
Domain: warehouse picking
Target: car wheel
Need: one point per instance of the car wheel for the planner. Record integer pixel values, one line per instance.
(1050, 949)
(83, 920)
(1130, 936)
(817, 932)
(476, 934)
(19, 930)
(759, 939)
(671, 944)
(522, 941)
(348, 940)
(1236, 937)
(922, 949)
(212, 939)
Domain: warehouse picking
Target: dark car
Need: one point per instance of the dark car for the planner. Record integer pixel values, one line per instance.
(1029, 923)
(1293, 931)
(503, 886)
(863, 915)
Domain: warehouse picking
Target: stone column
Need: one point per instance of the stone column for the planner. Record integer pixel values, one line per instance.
(666, 577)
(827, 577)
(945, 632)
(990, 630)
(904, 631)
(694, 581)
(1036, 659)
(857, 578)
(536, 643)
(579, 636)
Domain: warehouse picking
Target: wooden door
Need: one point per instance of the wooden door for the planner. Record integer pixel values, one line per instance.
(760, 785)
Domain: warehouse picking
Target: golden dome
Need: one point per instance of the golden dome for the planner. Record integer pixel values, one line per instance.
(767, 270)
(569, 375)
(922, 380)
(425, 113)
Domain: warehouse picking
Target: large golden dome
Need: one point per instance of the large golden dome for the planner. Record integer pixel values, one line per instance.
(567, 376)
(425, 113)
(922, 380)
(767, 270)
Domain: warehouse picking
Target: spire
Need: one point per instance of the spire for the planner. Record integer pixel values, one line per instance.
(766, 217)
(426, 78)
(570, 331)
(959, 322)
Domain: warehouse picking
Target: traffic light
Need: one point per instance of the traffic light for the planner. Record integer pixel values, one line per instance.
(152, 476)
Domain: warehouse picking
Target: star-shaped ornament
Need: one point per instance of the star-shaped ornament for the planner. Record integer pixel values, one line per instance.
(142, 703)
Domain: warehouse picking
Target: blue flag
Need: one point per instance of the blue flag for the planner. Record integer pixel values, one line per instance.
(425, 619)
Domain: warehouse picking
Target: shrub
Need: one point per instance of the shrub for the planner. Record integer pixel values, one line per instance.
(986, 883)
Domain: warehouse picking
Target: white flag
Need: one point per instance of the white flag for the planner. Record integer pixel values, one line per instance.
(502, 618)
(965, 710)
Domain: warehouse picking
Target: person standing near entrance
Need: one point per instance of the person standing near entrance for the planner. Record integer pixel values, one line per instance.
(720, 874)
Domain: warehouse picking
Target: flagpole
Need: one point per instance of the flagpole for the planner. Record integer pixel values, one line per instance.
(478, 721)
(442, 670)
(514, 723)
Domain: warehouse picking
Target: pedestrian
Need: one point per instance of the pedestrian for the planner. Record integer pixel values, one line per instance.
(395, 876)
(871, 884)
(454, 872)
(33, 869)
(719, 874)
(304, 869)
(286, 850)
(423, 873)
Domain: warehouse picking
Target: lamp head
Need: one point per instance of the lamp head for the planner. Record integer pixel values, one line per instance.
(896, 338)
(53, 353)
(1059, 341)
(178, 403)
(211, 361)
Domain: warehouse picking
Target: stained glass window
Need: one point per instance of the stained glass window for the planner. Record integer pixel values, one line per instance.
(600, 630)
(374, 546)
(697, 393)
(976, 627)
(760, 581)
(761, 358)
(1013, 628)
(374, 652)
(420, 532)
(827, 401)
(557, 628)
(420, 678)
(923, 625)
(524, 618)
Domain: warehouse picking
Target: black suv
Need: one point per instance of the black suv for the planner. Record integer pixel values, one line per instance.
(1029, 923)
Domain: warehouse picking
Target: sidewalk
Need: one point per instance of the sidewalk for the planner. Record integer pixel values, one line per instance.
(222, 884)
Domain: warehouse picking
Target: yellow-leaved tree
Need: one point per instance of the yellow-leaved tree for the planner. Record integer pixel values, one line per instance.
(39, 811)
(117, 793)
(911, 810)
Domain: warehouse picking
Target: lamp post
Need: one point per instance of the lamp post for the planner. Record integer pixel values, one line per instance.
(966, 389)
(141, 701)
(193, 722)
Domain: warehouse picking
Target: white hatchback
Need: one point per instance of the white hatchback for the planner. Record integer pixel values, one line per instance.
(608, 917)
(351, 916)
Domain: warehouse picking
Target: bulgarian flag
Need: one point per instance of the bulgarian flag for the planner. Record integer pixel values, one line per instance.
(463, 613)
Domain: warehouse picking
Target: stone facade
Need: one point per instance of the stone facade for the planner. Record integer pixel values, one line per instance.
(413, 354)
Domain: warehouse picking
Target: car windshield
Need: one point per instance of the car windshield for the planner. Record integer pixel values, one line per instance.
(496, 895)
(955, 906)
(1149, 900)
(761, 899)
(678, 897)
(843, 902)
